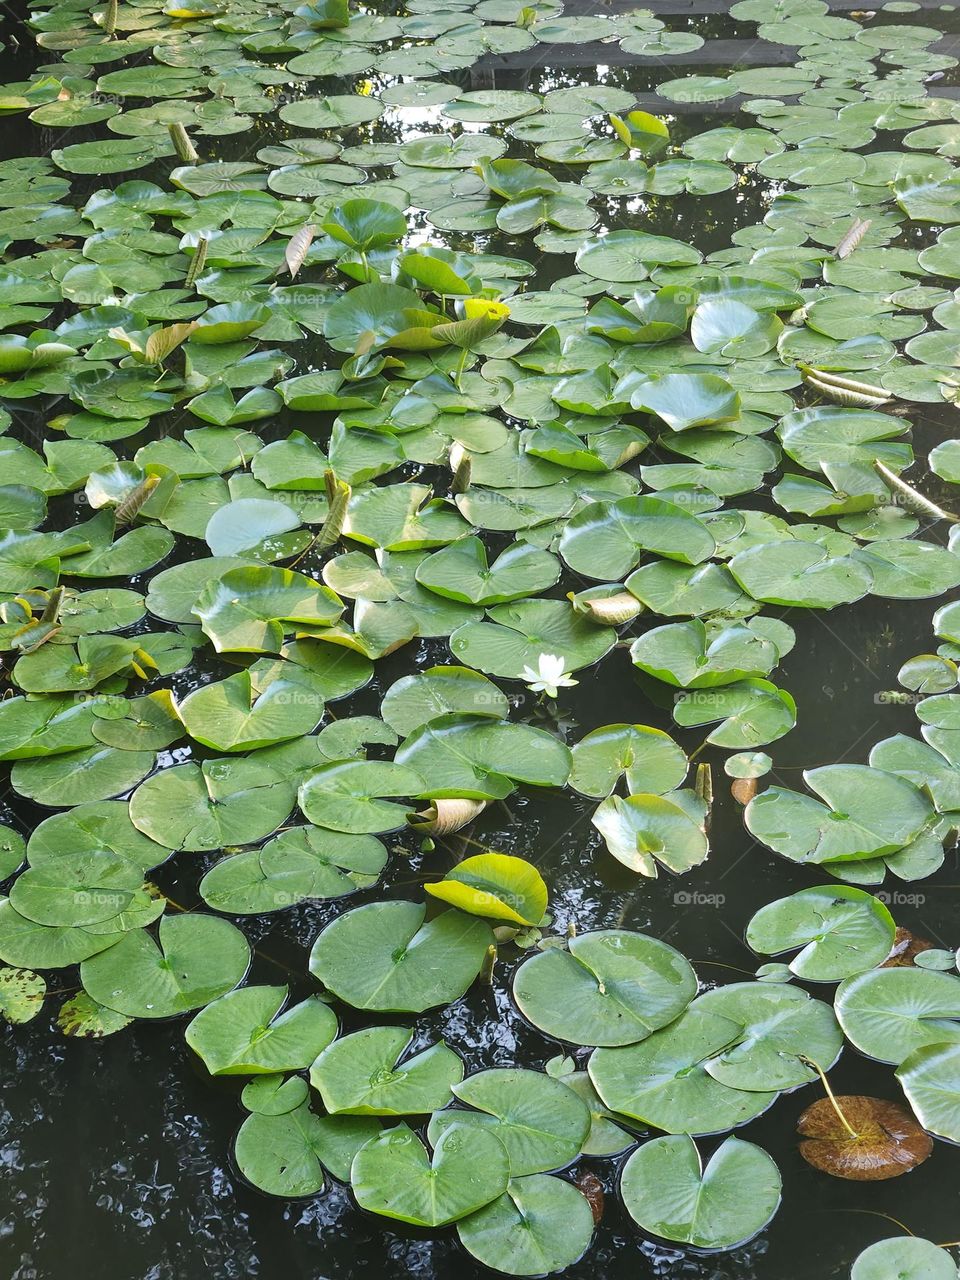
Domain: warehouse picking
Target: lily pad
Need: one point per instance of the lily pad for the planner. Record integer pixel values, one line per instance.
(541, 1123)
(886, 1140)
(611, 987)
(409, 965)
(197, 959)
(539, 1225)
(393, 1175)
(840, 930)
(669, 1193)
(495, 886)
(368, 1073)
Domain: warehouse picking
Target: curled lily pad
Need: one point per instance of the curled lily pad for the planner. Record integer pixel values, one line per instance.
(496, 886)
(642, 830)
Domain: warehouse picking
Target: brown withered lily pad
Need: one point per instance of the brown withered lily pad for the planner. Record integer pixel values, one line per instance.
(906, 946)
(743, 789)
(592, 1189)
(888, 1139)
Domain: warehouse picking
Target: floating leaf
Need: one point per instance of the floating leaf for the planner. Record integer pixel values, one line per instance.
(541, 1123)
(886, 1140)
(669, 1193)
(368, 1073)
(245, 1032)
(198, 959)
(408, 965)
(611, 987)
(285, 1153)
(21, 994)
(539, 1225)
(496, 886)
(393, 1176)
(841, 931)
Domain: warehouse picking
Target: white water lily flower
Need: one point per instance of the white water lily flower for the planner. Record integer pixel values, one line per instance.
(548, 677)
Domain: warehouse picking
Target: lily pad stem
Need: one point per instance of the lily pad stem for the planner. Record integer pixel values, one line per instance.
(830, 1094)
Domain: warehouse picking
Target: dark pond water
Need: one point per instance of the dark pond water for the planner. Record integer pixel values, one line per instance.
(114, 1155)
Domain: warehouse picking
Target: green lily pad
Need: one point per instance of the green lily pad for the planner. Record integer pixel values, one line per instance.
(647, 758)
(197, 959)
(606, 539)
(239, 714)
(301, 863)
(541, 1122)
(539, 1225)
(211, 805)
(247, 610)
(611, 987)
(246, 1032)
(889, 1013)
(461, 572)
(670, 1194)
(908, 1257)
(348, 796)
(409, 965)
(479, 758)
(94, 773)
(416, 699)
(840, 930)
(285, 1153)
(664, 1081)
(393, 1175)
(368, 1074)
(866, 813)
